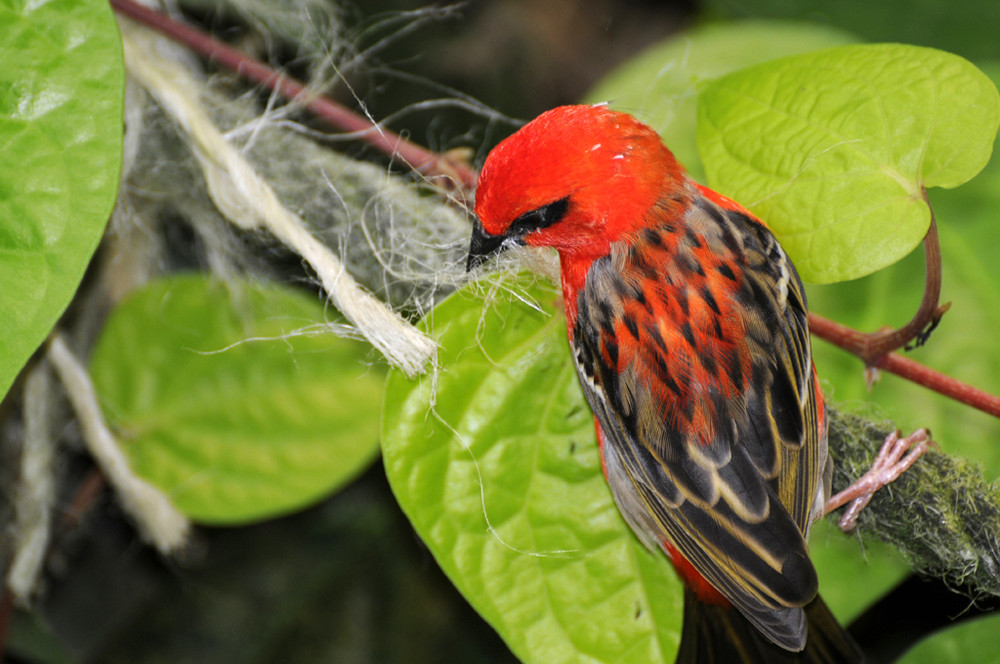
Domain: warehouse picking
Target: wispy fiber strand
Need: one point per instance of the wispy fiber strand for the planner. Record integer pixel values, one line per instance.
(249, 202)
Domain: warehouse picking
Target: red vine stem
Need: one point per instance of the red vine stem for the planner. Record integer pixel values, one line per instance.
(904, 367)
(872, 348)
(415, 156)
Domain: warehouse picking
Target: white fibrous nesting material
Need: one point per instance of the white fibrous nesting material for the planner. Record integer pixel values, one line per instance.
(343, 217)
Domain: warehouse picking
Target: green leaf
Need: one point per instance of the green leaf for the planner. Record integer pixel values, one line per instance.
(494, 460)
(61, 89)
(833, 148)
(661, 84)
(239, 405)
(971, 642)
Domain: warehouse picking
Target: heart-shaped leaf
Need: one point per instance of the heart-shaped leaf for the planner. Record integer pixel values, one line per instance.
(61, 86)
(239, 405)
(495, 462)
(834, 148)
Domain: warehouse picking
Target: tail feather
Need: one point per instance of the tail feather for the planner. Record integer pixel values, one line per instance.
(716, 634)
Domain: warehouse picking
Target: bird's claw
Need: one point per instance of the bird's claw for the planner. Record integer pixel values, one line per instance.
(896, 455)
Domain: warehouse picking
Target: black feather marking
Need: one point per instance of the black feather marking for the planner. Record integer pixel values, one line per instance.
(726, 272)
(605, 317)
(671, 384)
(693, 238)
(785, 408)
(695, 480)
(653, 470)
(639, 260)
(653, 330)
(688, 333)
(682, 301)
(611, 348)
(744, 482)
(706, 294)
(708, 363)
(693, 265)
(632, 327)
(712, 210)
(730, 240)
(717, 328)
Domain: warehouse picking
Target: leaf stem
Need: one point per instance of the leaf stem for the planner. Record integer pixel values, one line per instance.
(928, 314)
(454, 174)
(874, 345)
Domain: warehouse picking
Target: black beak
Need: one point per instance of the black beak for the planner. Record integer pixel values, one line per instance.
(483, 246)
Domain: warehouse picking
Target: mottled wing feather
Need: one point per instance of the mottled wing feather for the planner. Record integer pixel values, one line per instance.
(692, 346)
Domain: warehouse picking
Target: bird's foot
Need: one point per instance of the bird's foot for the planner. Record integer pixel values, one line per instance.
(897, 454)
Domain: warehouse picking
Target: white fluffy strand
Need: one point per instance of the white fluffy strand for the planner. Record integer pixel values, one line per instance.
(158, 520)
(35, 489)
(249, 202)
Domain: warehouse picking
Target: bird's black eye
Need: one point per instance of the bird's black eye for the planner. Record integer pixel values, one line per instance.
(482, 244)
(538, 218)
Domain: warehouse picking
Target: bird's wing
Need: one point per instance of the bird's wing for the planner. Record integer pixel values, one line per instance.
(692, 345)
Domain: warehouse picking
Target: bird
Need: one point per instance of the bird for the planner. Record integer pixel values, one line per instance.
(688, 327)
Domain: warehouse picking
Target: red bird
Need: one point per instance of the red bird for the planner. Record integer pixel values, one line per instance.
(688, 325)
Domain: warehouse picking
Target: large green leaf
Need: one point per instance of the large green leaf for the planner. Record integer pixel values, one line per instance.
(239, 405)
(61, 85)
(495, 462)
(661, 84)
(833, 148)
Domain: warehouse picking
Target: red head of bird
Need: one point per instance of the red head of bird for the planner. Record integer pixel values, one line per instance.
(575, 178)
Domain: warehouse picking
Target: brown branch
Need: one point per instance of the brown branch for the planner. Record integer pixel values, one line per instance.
(904, 367)
(416, 157)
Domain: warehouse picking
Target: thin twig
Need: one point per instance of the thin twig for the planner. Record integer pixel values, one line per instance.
(87, 492)
(835, 333)
(414, 156)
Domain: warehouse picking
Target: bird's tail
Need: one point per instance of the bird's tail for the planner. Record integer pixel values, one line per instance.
(716, 634)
